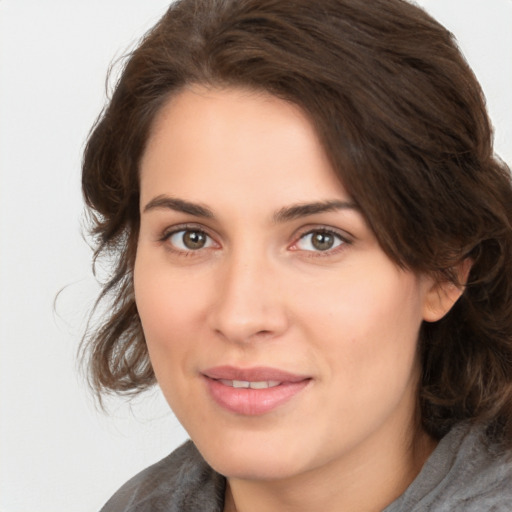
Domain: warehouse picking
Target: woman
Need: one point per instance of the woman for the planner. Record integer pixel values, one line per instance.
(312, 244)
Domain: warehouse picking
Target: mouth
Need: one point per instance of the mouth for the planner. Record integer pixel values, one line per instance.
(245, 384)
(252, 391)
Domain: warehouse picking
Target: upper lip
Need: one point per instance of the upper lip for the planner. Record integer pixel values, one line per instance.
(255, 374)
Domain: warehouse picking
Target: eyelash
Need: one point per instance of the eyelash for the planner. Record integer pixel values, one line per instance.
(343, 241)
(168, 234)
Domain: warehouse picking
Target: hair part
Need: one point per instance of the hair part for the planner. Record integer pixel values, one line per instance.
(403, 121)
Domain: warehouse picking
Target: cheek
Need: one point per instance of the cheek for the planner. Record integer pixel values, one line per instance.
(169, 309)
(367, 323)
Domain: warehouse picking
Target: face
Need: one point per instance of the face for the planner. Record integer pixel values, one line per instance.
(282, 336)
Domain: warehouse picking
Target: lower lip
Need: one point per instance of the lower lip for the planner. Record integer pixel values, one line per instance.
(253, 402)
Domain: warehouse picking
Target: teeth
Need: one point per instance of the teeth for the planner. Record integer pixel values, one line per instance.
(241, 384)
(265, 384)
(244, 384)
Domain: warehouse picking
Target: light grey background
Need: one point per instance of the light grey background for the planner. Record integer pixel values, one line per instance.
(57, 454)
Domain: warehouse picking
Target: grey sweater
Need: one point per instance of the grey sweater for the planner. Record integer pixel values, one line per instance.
(461, 475)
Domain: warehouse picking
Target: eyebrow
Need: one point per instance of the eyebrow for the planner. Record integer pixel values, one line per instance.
(303, 210)
(178, 205)
(285, 214)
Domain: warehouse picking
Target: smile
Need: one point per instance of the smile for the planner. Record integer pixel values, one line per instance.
(245, 384)
(252, 392)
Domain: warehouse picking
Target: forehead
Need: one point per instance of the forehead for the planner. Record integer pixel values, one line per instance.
(225, 142)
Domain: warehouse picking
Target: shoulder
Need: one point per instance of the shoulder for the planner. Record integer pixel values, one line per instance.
(182, 481)
(480, 476)
(464, 474)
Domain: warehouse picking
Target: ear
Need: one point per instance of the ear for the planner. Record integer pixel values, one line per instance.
(442, 295)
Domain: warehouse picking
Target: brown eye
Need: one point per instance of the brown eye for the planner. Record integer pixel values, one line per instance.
(322, 241)
(194, 239)
(190, 240)
(319, 241)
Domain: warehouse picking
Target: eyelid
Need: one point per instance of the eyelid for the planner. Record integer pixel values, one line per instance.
(345, 237)
(172, 230)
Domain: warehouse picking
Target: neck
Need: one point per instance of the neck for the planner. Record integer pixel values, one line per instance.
(367, 480)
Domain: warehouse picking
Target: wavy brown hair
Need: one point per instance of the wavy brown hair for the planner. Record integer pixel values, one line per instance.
(403, 120)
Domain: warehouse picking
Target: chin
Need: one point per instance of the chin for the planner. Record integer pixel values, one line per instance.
(255, 457)
(244, 467)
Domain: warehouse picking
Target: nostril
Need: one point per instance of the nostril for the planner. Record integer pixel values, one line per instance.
(263, 333)
(244, 336)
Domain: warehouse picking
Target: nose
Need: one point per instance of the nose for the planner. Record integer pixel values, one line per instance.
(249, 303)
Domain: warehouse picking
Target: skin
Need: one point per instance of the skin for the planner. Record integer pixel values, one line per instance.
(259, 293)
